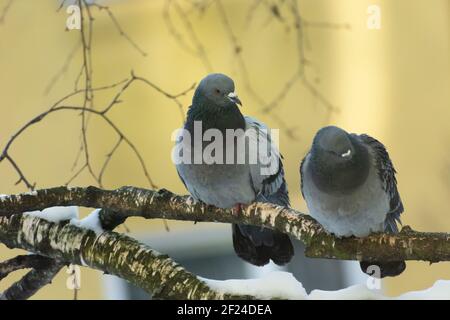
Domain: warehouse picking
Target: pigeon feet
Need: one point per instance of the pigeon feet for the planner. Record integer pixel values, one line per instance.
(236, 209)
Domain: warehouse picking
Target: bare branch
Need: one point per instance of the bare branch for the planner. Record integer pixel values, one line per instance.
(22, 177)
(149, 204)
(63, 69)
(5, 152)
(5, 10)
(110, 252)
(326, 25)
(119, 28)
(22, 262)
(107, 160)
(44, 269)
(61, 5)
(199, 49)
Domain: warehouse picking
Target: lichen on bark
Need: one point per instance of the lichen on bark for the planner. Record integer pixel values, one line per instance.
(109, 252)
(156, 273)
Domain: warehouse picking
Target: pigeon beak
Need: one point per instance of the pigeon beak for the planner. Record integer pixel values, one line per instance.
(234, 98)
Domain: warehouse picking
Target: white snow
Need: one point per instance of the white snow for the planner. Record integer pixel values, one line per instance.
(276, 284)
(283, 285)
(439, 291)
(91, 222)
(55, 214)
(58, 214)
(30, 193)
(356, 292)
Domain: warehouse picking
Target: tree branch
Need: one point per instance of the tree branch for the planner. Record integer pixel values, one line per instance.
(22, 262)
(44, 270)
(110, 252)
(32, 282)
(130, 201)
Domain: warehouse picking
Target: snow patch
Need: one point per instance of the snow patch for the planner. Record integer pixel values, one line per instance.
(3, 197)
(91, 222)
(58, 214)
(439, 291)
(276, 284)
(356, 292)
(283, 285)
(30, 193)
(55, 214)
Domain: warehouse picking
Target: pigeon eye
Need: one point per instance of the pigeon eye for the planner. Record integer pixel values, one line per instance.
(217, 91)
(347, 154)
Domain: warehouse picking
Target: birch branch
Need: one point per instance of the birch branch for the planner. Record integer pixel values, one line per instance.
(125, 202)
(109, 252)
(42, 274)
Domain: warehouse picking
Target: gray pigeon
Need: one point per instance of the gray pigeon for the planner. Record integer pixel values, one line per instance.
(231, 184)
(349, 185)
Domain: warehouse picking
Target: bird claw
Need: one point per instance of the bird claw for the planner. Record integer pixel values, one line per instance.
(236, 210)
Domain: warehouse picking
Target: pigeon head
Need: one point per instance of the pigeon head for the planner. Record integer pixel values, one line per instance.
(339, 161)
(334, 141)
(216, 90)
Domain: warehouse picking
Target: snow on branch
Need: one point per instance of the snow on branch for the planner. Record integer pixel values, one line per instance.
(109, 252)
(146, 268)
(283, 285)
(117, 205)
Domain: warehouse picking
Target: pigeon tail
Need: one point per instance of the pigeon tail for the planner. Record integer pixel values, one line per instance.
(258, 245)
(387, 268)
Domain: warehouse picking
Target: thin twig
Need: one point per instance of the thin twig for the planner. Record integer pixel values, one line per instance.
(5, 10)
(119, 28)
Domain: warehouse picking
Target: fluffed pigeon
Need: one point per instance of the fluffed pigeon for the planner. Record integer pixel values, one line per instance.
(349, 185)
(229, 185)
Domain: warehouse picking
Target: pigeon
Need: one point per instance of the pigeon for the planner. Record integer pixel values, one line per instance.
(230, 184)
(349, 185)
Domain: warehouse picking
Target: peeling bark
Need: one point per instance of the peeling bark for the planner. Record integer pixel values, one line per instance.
(129, 201)
(109, 252)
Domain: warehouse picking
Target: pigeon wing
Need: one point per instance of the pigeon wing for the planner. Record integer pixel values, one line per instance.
(267, 175)
(386, 172)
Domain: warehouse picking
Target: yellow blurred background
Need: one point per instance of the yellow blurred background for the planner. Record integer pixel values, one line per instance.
(392, 83)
